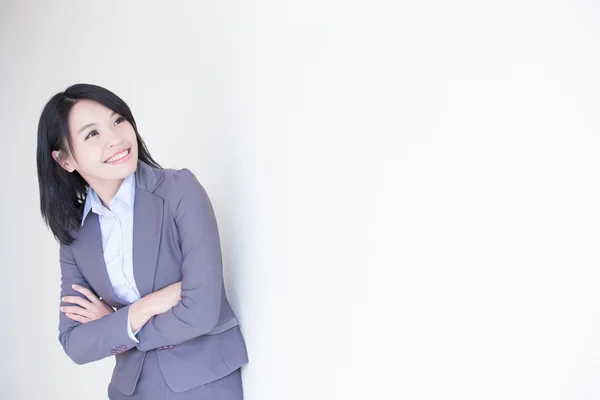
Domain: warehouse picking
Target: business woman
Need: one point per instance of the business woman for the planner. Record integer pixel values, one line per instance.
(140, 256)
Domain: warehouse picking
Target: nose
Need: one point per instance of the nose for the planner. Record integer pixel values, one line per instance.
(113, 139)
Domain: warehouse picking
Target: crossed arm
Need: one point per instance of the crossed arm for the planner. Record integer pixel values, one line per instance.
(160, 322)
(90, 307)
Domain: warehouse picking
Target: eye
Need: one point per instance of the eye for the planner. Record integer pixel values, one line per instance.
(91, 134)
(119, 120)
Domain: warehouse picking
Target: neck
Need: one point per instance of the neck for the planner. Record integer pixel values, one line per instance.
(106, 190)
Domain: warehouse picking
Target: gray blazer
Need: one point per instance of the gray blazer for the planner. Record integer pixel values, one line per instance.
(175, 237)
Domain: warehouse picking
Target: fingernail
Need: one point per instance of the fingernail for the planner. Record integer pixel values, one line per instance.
(63, 299)
(74, 286)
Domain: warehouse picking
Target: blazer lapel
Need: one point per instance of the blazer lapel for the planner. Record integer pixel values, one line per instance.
(147, 225)
(88, 246)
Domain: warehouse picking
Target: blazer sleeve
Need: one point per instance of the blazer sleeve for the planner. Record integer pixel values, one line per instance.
(202, 274)
(91, 341)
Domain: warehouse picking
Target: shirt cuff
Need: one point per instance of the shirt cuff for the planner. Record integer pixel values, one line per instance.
(129, 332)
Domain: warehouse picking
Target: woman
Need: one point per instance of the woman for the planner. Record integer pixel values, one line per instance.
(140, 256)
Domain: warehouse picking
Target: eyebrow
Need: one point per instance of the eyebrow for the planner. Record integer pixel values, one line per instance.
(93, 123)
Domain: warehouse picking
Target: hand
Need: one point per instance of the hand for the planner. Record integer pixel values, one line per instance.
(153, 304)
(163, 300)
(86, 310)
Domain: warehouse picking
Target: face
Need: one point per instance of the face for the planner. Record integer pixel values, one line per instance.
(104, 144)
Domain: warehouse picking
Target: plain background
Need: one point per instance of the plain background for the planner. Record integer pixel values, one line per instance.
(407, 192)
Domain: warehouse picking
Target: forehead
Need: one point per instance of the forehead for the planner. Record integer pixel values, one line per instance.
(87, 112)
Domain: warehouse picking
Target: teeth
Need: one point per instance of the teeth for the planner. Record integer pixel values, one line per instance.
(118, 156)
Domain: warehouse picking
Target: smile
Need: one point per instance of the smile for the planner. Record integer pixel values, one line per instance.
(119, 158)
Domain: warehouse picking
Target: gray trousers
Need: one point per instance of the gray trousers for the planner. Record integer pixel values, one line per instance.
(151, 386)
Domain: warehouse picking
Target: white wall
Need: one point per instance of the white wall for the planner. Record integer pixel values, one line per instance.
(407, 192)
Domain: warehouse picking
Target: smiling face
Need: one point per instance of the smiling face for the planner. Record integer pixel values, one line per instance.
(104, 145)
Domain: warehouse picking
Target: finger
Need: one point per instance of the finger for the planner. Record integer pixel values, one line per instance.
(77, 318)
(86, 292)
(76, 310)
(77, 300)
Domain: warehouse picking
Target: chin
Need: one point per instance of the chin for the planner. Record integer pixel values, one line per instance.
(123, 170)
(130, 167)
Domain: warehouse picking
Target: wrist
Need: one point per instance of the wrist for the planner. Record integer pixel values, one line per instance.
(139, 313)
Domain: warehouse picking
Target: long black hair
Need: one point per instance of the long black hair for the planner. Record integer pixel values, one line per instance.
(62, 194)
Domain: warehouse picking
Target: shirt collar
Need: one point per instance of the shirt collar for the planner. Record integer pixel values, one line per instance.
(125, 194)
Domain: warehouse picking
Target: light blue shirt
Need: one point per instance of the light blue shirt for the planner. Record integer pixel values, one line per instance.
(116, 225)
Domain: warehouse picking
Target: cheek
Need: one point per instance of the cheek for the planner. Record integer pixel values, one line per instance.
(134, 146)
(88, 156)
(132, 137)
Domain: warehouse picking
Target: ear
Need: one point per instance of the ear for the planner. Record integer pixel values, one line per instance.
(65, 164)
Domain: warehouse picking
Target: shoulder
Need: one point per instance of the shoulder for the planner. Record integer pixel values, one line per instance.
(162, 181)
(181, 186)
(179, 181)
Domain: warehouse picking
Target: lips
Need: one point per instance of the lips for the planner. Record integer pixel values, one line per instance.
(117, 156)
